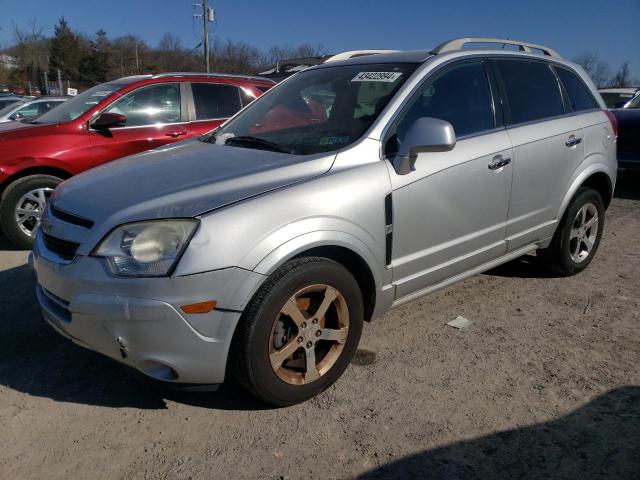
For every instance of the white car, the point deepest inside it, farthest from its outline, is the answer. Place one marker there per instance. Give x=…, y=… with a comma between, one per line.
x=617, y=97
x=29, y=108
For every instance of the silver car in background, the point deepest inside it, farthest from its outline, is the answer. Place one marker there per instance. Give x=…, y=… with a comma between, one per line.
x=26, y=108
x=352, y=187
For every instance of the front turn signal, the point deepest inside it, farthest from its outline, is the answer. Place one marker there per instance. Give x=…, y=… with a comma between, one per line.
x=202, y=307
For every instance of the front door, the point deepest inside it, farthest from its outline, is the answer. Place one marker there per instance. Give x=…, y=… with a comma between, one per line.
x=154, y=117
x=449, y=214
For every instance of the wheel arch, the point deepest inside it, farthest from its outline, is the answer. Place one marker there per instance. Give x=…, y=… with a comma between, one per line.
x=599, y=178
x=341, y=247
x=34, y=170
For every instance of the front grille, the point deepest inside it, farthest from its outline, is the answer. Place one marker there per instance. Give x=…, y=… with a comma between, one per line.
x=70, y=218
x=63, y=248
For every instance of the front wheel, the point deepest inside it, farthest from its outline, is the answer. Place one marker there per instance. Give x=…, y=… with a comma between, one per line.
x=299, y=332
x=578, y=235
x=23, y=203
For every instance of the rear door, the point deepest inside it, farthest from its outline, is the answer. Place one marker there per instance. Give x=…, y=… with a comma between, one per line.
x=155, y=116
x=548, y=147
x=212, y=104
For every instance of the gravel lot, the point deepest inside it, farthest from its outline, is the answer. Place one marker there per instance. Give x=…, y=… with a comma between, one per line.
x=544, y=384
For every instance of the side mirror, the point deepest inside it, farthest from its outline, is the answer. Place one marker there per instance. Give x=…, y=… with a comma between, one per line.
x=109, y=120
x=425, y=135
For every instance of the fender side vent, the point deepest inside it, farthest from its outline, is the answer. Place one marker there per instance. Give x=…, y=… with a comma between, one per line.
x=388, y=227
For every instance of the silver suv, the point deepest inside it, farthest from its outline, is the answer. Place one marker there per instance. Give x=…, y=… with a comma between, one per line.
x=259, y=250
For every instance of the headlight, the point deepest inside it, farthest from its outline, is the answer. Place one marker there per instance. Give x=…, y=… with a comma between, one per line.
x=146, y=249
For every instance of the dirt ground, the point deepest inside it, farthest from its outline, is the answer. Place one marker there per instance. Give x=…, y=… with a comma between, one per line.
x=544, y=384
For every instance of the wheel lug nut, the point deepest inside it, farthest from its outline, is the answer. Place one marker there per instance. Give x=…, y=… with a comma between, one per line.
x=318, y=333
x=315, y=320
x=309, y=344
x=299, y=339
x=304, y=325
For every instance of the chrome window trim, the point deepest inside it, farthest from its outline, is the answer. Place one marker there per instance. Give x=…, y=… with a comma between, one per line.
x=555, y=117
x=153, y=125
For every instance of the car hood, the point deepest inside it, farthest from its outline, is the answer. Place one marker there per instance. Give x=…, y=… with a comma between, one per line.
x=7, y=128
x=183, y=180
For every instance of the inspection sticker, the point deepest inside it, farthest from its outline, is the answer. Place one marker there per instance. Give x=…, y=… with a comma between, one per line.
x=377, y=77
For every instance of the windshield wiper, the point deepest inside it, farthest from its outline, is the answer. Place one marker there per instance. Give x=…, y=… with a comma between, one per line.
x=255, y=142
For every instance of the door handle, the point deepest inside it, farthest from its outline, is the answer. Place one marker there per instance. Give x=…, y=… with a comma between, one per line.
x=175, y=133
x=498, y=162
x=573, y=141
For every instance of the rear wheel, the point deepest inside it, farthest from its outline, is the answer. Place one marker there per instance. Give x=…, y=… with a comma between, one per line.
x=578, y=235
x=299, y=332
x=23, y=203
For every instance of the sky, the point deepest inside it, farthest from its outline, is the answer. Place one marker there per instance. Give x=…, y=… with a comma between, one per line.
x=609, y=28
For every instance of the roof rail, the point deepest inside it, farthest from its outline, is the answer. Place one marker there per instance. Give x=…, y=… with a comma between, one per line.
x=458, y=43
x=198, y=74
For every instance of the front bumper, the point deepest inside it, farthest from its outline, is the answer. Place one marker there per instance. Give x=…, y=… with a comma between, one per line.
x=138, y=321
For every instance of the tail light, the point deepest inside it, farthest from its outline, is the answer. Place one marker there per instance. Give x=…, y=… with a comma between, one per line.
x=614, y=122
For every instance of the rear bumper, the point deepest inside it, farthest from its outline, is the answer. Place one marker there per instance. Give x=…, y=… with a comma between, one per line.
x=138, y=322
x=629, y=164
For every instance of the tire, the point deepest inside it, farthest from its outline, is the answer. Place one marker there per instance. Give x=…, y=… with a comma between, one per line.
x=43, y=186
x=569, y=254
x=265, y=335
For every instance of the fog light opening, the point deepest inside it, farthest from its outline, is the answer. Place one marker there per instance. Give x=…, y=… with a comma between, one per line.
x=158, y=370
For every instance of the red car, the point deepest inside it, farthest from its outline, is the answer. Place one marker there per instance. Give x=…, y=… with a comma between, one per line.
x=107, y=122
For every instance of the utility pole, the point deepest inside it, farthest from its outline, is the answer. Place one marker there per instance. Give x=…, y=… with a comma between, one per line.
x=207, y=15
x=59, y=82
x=205, y=26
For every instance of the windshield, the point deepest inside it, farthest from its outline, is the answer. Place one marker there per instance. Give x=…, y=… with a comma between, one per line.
x=316, y=111
x=9, y=108
x=73, y=108
x=635, y=102
x=4, y=102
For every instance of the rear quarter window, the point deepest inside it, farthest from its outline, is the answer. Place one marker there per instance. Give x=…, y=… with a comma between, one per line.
x=578, y=93
x=532, y=90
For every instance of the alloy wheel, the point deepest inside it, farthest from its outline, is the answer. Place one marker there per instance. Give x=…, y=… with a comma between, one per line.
x=30, y=208
x=308, y=334
x=584, y=232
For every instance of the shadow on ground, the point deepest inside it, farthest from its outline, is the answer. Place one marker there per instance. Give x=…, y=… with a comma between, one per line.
x=598, y=441
x=628, y=185
x=35, y=360
x=527, y=266
x=6, y=245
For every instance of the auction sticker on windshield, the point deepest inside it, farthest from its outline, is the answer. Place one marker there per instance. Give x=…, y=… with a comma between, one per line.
x=376, y=77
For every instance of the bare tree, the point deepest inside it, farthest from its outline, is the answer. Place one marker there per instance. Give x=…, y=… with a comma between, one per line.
x=31, y=49
x=598, y=70
x=622, y=77
x=235, y=57
x=284, y=52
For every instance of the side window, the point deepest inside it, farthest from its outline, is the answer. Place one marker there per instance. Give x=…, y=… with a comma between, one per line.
x=215, y=100
x=578, y=93
x=532, y=90
x=158, y=103
x=44, y=107
x=461, y=96
x=27, y=111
